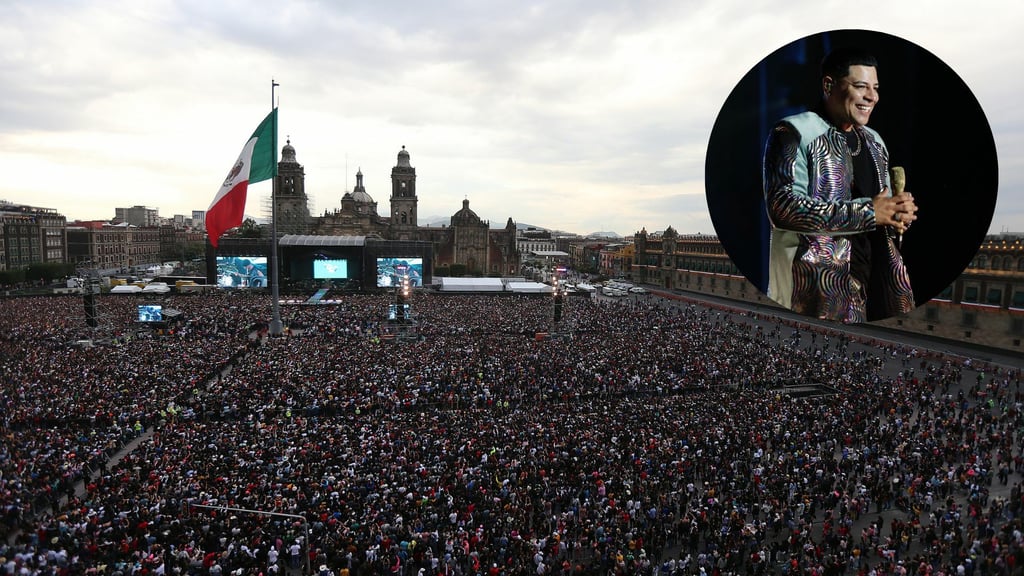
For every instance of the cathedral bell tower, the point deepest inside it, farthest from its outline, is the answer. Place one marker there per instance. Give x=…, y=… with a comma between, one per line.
x=293, y=216
x=403, y=197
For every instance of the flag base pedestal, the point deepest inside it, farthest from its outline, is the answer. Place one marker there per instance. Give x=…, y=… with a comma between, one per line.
x=275, y=328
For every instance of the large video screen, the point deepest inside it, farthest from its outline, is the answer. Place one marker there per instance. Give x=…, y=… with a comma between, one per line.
x=151, y=313
x=328, y=269
x=242, y=272
x=391, y=270
x=394, y=314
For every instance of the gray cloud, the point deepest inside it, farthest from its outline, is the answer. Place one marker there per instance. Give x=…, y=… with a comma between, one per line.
x=592, y=113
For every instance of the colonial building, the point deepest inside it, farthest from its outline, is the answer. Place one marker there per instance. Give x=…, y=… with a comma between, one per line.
x=616, y=260
x=357, y=217
x=180, y=243
x=31, y=235
x=112, y=248
x=984, y=305
x=469, y=245
x=666, y=259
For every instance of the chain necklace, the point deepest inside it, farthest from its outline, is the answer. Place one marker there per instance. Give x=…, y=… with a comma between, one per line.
x=856, y=137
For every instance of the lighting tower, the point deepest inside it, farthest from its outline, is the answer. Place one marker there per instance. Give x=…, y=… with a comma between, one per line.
x=559, y=325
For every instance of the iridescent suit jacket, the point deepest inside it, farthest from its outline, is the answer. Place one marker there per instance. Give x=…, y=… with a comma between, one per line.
x=808, y=172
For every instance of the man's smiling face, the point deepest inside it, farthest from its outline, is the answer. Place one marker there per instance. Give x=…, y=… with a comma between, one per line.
x=849, y=100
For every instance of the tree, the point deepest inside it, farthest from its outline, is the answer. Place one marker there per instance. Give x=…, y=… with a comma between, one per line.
x=48, y=271
x=250, y=229
x=12, y=277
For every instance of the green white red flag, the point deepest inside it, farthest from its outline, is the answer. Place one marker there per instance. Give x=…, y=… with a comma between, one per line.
x=256, y=163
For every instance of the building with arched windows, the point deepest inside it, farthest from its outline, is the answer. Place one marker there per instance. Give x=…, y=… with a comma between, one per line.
x=984, y=305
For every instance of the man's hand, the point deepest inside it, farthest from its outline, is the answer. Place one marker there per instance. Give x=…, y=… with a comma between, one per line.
x=896, y=211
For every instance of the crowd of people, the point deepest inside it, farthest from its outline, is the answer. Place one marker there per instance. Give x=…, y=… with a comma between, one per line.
x=662, y=437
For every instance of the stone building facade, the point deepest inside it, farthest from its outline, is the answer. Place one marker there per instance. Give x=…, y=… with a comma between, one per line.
x=984, y=305
x=112, y=247
x=468, y=244
x=31, y=235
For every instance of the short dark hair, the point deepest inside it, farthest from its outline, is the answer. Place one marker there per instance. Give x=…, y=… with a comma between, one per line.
x=837, y=63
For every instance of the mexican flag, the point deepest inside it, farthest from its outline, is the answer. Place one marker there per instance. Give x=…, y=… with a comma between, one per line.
x=256, y=163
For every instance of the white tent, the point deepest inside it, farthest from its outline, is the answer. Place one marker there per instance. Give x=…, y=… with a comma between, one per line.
x=529, y=288
x=470, y=284
x=156, y=288
x=125, y=289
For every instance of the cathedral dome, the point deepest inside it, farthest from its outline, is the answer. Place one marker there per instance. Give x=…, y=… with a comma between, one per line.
x=362, y=196
x=465, y=216
x=359, y=194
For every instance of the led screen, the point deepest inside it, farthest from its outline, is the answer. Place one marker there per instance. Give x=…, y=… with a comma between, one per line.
x=327, y=269
x=151, y=313
x=393, y=312
x=242, y=271
x=390, y=271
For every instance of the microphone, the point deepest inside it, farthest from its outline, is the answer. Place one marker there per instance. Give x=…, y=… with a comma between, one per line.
x=898, y=178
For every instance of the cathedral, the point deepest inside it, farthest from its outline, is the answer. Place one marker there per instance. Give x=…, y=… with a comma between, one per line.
x=468, y=246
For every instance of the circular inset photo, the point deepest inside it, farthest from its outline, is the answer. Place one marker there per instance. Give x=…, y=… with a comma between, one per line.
x=851, y=175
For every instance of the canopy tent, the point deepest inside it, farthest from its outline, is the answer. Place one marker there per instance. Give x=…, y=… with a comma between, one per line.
x=470, y=284
x=529, y=288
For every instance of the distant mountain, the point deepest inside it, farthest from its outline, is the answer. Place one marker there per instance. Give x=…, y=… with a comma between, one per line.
x=435, y=221
x=604, y=235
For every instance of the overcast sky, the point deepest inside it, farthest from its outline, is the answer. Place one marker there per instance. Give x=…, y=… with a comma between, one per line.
x=580, y=116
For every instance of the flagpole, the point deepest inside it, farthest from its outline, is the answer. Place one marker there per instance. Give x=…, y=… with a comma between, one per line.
x=275, y=322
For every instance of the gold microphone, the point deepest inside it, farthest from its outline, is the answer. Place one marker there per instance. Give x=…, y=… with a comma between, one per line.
x=898, y=178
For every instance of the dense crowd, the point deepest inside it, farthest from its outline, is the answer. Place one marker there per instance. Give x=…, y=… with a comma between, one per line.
x=664, y=437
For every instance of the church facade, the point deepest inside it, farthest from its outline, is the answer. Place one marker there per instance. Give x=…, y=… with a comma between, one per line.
x=467, y=246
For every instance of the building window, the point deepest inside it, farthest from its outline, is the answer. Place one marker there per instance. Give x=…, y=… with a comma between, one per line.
x=970, y=294
x=995, y=296
x=1018, y=299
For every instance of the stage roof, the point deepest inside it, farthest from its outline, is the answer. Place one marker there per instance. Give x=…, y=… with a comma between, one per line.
x=309, y=240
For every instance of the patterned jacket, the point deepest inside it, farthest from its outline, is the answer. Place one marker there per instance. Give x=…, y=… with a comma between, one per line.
x=808, y=172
